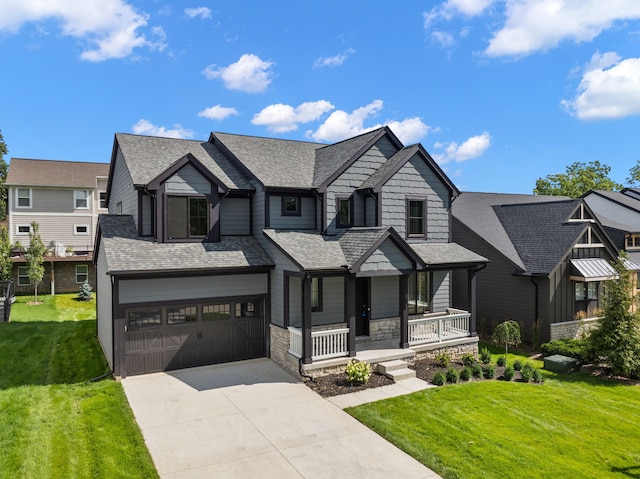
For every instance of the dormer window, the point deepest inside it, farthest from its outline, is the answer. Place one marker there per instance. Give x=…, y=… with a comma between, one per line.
x=633, y=241
x=188, y=217
x=291, y=206
x=582, y=214
x=344, y=213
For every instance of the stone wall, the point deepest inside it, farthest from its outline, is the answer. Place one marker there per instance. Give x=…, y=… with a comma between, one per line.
x=572, y=329
x=384, y=329
x=454, y=349
x=280, y=350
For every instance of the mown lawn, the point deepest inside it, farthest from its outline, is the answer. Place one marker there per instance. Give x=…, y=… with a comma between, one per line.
x=54, y=423
x=572, y=426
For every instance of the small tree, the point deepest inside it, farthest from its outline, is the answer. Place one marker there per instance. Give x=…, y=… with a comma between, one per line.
x=507, y=334
x=85, y=292
x=35, y=258
x=616, y=338
x=6, y=263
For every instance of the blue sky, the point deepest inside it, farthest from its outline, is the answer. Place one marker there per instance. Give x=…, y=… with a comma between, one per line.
x=500, y=92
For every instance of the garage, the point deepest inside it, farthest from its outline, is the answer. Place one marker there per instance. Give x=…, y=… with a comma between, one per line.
x=170, y=336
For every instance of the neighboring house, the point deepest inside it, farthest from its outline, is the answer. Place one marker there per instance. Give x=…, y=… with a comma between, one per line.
x=244, y=247
x=65, y=199
x=549, y=257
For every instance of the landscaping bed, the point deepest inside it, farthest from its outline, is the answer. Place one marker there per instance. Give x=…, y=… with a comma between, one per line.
x=336, y=384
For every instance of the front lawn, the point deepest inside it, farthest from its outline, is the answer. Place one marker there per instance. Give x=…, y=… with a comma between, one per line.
x=54, y=423
x=571, y=426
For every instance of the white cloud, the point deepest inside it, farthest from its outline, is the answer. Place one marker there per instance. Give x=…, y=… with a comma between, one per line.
x=610, y=88
x=450, y=8
x=409, y=130
x=249, y=74
x=445, y=39
x=281, y=118
x=534, y=25
x=202, y=12
x=110, y=28
x=145, y=127
x=469, y=149
x=333, y=61
x=217, y=112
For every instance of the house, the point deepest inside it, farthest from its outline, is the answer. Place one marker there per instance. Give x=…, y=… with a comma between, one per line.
x=65, y=199
x=241, y=247
x=549, y=257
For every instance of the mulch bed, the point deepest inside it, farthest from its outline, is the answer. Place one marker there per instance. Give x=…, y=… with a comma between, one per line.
x=336, y=384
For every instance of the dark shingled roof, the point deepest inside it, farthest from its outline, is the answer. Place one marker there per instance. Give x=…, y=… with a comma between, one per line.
x=310, y=250
x=355, y=242
x=127, y=253
x=439, y=254
x=69, y=174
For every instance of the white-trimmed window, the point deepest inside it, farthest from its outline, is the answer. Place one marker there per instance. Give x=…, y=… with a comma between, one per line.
x=81, y=230
x=23, y=230
x=23, y=276
x=82, y=273
x=81, y=199
x=23, y=198
x=633, y=241
x=103, y=199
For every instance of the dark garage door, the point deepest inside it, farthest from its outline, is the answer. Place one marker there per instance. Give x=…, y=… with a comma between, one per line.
x=162, y=338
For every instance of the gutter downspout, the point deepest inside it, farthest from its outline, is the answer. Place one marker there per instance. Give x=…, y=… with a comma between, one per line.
x=536, y=312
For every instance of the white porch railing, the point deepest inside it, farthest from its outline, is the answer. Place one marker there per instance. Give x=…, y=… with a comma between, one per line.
x=439, y=327
x=330, y=343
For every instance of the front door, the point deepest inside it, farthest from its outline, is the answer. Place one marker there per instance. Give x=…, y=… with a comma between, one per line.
x=363, y=306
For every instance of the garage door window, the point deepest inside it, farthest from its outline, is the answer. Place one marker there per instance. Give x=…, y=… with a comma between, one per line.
x=213, y=312
x=248, y=308
x=141, y=318
x=182, y=314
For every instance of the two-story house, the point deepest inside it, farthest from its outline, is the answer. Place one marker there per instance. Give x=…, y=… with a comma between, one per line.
x=242, y=247
x=64, y=198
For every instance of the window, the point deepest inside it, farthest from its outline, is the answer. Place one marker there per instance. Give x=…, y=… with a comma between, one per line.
x=23, y=229
x=188, y=217
x=80, y=229
x=419, y=292
x=82, y=273
x=291, y=206
x=142, y=318
x=23, y=276
x=316, y=294
x=248, y=308
x=119, y=208
x=344, y=217
x=416, y=217
x=103, y=199
x=633, y=241
x=213, y=312
x=23, y=198
x=182, y=314
x=80, y=199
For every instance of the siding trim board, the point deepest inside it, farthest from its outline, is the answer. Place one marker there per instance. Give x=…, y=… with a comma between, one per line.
x=163, y=273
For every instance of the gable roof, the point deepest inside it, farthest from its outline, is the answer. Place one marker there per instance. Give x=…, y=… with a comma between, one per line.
x=68, y=174
x=191, y=160
x=617, y=197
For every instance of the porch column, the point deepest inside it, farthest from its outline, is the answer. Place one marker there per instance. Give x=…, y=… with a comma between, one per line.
x=404, y=311
x=307, y=347
x=471, y=300
x=350, y=311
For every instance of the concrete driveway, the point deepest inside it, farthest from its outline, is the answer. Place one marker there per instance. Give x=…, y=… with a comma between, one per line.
x=252, y=419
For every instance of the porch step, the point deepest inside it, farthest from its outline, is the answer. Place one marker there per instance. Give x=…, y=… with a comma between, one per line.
x=396, y=370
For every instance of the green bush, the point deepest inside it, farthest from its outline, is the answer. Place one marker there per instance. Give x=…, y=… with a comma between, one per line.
x=443, y=360
x=527, y=372
x=517, y=365
x=537, y=376
x=489, y=371
x=485, y=356
x=509, y=373
x=501, y=361
x=438, y=379
x=452, y=376
x=465, y=373
x=468, y=359
x=476, y=371
x=85, y=292
x=358, y=372
x=574, y=348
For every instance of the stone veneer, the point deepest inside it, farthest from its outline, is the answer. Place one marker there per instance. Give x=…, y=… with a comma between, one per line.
x=384, y=329
x=572, y=329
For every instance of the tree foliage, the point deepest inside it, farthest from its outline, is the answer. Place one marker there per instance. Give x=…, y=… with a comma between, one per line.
x=6, y=263
x=634, y=175
x=35, y=258
x=577, y=180
x=3, y=177
x=507, y=334
x=616, y=338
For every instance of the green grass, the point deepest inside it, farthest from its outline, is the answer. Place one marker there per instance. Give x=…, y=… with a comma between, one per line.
x=54, y=423
x=571, y=426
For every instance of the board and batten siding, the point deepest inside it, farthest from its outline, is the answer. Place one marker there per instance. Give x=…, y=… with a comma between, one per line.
x=333, y=288
x=386, y=259
x=104, y=307
x=198, y=287
x=385, y=297
x=122, y=190
x=188, y=181
x=416, y=179
x=306, y=220
x=235, y=216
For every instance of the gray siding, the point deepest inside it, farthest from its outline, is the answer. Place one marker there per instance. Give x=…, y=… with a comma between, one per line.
x=57, y=229
x=167, y=289
x=441, y=291
x=235, y=217
x=188, y=181
x=306, y=221
x=416, y=179
x=122, y=190
x=388, y=258
x=147, y=215
x=258, y=212
x=103, y=308
x=385, y=294
x=54, y=200
x=370, y=210
x=332, y=302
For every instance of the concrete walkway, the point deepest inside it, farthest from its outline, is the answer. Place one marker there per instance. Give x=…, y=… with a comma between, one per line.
x=253, y=420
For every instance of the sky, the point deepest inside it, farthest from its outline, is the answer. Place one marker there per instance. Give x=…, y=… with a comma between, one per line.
x=499, y=92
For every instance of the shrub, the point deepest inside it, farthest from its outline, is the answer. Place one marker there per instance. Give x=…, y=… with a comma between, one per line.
x=485, y=356
x=443, y=360
x=465, y=373
x=509, y=373
x=468, y=359
x=489, y=371
x=85, y=292
x=501, y=361
x=476, y=371
x=527, y=372
x=517, y=365
x=537, y=376
x=452, y=376
x=438, y=379
x=358, y=372
x=574, y=348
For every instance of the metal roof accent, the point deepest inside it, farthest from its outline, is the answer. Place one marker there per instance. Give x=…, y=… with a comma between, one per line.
x=592, y=269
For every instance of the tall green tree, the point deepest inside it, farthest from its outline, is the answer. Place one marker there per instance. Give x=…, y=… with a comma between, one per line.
x=577, y=180
x=616, y=338
x=35, y=258
x=634, y=175
x=3, y=177
x=6, y=263
x=507, y=334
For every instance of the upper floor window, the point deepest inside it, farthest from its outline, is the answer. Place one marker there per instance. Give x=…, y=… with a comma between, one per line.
x=633, y=241
x=119, y=208
x=188, y=217
x=23, y=198
x=581, y=214
x=103, y=199
x=416, y=217
x=344, y=213
x=81, y=199
x=291, y=206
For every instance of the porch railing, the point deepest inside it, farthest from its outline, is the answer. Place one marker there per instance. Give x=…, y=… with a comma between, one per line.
x=439, y=327
x=330, y=343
